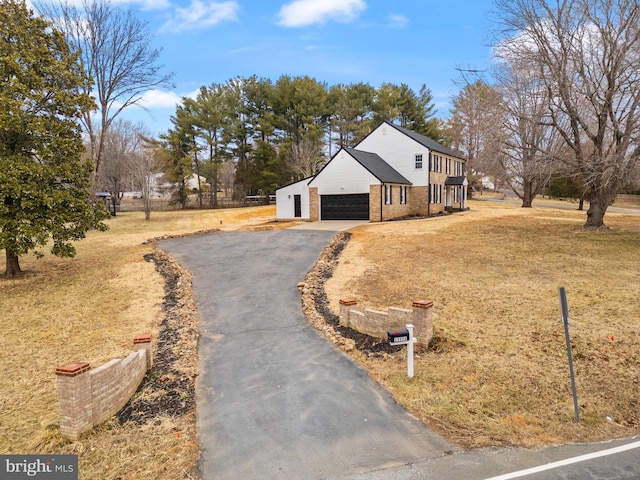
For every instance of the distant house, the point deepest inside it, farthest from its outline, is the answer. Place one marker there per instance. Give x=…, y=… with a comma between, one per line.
x=393, y=172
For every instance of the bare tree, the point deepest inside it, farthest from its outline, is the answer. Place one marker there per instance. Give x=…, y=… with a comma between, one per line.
x=149, y=159
x=530, y=146
x=306, y=157
x=475, y=128
x=121, y=148
x=116, y=53
x=587, y=55
x=227, y=176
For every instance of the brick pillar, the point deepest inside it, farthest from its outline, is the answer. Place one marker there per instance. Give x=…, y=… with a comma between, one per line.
x=314, y=207
x=143, y=342
x=346, y=304
x=74, y=399
x=423, y=321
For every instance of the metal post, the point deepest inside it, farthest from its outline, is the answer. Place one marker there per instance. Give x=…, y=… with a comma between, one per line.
x=410, y=351
x=565, y=320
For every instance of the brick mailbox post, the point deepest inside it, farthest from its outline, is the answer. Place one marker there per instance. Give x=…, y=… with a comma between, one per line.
x=377, y=324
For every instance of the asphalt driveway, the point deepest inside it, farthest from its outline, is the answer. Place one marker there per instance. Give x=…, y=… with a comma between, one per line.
x=274, y=398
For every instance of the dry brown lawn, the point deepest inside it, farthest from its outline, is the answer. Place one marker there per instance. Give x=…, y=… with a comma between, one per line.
x=88, y=309
x=498, y=371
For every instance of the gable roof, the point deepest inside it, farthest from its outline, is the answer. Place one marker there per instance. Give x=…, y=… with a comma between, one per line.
x=377, y=166
x=430, y=143
x=373, y=163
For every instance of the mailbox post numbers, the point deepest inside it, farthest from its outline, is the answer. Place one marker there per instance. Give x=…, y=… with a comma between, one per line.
x=404, y=337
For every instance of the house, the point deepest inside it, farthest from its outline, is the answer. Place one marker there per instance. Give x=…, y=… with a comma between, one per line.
x=391, y=173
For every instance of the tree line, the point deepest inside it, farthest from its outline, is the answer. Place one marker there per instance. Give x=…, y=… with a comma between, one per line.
x=259, y=134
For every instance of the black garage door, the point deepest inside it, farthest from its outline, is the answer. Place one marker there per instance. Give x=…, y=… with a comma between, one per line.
x=344, y=207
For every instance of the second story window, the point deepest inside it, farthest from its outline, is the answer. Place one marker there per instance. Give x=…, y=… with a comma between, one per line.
x=418, y=160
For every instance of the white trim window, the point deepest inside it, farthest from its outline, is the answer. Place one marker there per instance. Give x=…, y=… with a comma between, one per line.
x=403, y=195
x=447, y=166
x=438, y=165
x=435, y=193
x=388, y=194
x=418, y=161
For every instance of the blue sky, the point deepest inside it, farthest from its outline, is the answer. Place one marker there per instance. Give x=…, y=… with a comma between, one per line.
x=335, y=41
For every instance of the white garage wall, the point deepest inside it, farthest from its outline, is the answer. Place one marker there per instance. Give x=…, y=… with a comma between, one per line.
x=285, y=197
x=343, y=175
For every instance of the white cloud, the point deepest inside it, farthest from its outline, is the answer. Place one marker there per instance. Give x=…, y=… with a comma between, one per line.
x=398, y=21
x=300, y=13
x=162, y=99
x=201, y=15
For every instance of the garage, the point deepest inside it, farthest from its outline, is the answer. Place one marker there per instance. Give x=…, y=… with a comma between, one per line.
x=344, y=207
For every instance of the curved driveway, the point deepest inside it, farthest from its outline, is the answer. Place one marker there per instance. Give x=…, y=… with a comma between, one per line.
x=275, y=399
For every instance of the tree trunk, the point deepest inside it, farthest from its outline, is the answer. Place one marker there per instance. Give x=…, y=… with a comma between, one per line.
x=147, y=208
x=13, y=265
x=527, y=196
x=598, y=203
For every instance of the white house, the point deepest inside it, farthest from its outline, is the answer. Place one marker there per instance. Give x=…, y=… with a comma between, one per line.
x=391, y=173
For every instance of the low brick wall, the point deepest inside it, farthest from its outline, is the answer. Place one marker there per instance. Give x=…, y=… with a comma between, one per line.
x=377, y=324
x=88, y=397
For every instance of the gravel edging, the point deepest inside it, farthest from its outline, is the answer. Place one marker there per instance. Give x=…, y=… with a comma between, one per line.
x=316, y=307
x=169, y=387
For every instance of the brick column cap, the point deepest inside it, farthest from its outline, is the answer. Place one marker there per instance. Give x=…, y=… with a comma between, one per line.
x=422, y=304
x=142, y=338
x=348, y=301
x=73, y=369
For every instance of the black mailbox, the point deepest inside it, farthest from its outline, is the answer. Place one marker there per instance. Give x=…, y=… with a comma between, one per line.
x=398, y=337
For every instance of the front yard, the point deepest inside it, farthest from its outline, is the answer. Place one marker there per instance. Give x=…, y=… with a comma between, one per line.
x=497, y=371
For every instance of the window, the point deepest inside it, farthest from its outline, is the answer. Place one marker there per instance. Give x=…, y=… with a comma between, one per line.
x=435, y=193
x=438, y=164
x=447, y=168
x=418, y=160
x=403, y=195
x=387, y=194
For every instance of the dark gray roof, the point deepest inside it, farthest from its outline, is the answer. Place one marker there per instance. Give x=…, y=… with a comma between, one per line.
x=430, y=143
x=377, y=166
x=454, y=181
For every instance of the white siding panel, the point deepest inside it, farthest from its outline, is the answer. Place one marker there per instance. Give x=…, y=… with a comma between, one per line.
x=343, y=175
x=285, y=198
x=399, y=151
